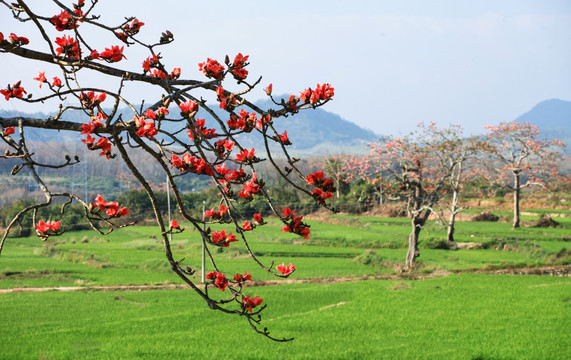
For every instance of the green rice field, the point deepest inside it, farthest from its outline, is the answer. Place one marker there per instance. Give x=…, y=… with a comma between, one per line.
x=458, y=311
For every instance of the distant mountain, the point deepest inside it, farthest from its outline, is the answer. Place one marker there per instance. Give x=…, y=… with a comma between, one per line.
x=317, y=131
x=312, y=132
x=549, y=114
x=553, y=118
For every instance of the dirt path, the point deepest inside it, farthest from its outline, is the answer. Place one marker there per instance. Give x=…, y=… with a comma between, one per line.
x=562, y=271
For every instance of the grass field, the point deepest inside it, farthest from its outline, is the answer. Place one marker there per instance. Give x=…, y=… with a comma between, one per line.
x=462, y=316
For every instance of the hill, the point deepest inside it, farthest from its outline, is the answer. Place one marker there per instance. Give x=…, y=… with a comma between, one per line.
x=312, y=132
x=553, y=118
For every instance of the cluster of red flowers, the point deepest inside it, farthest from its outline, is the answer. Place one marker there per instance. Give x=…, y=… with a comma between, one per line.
x=192, y=164
x=237, y=68
x=321, y=92
x=151, y=62
x=250, y=188
x=212, y=69
x=188, y=108
x=230, y=174
x=14, y=39
x=286, y=270
x=294, y=224
x=227, y=103
x=90, y=127
x=323, y=186
x=133, y=28
x=201, y=129
x=145, y=128
x=14, y=91
x=246, y=156
x=44, y=227
x=89, y=100
x=111, y=208
x=115, y=54
x=222, y=146
x=68, y=46
x=102, y=144
x=223, y=239
x=42, y=79
x=219, y=279
x=246, y=121
x=245, y=277
x=65, y=21
x=217, y=215
x=291, y=104
x=159, y=114
x=175, y=74
x=258, y=220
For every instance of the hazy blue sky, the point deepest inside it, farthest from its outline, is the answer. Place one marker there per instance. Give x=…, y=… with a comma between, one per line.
x=392, y=63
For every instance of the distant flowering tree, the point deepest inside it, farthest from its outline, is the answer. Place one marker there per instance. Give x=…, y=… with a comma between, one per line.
x=336, y=166
x=522, y=158
x=180, y=132
x=456, y=156
x=418, y=169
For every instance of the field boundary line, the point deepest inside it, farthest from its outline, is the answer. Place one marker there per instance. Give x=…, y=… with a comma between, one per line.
x=559, y=271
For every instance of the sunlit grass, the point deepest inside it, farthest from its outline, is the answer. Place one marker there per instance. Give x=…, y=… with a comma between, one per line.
x=456, y=317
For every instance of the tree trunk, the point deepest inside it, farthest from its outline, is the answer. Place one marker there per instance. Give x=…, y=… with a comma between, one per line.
x=452, y=220
x=413, y=251
x=516, y=190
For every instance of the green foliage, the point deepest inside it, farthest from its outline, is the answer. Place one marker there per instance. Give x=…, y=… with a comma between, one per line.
x=73, y=217
x=369, y=257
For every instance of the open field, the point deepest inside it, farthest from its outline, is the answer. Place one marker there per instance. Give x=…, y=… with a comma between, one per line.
x=342, y=246
x=463, y=316
x=468, y=316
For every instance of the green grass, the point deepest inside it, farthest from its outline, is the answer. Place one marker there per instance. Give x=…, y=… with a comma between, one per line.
x=465, y=316
x=456, y=317
x=135, y=255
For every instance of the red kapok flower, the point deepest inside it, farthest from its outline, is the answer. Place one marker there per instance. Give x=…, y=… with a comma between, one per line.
x=18, y=40
x=221, y=238
x=67, y=46
x=41, y=78
x=175, y=74
x=56, y=82
x=134, y=27
x=9, y=131
x=188, y=108
x=64, y=21
x=44, y=227
x=247, y=226
x=237, y=68
x=216, y=215
x=250, y=303
x=245, y=277
x=258, y=220
x=220, y=280
x=174, y=225
x=246, y=156
x=14, y=91
x=115, y=54
x=286, y=270
x=151, y=62
x=212, y=69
